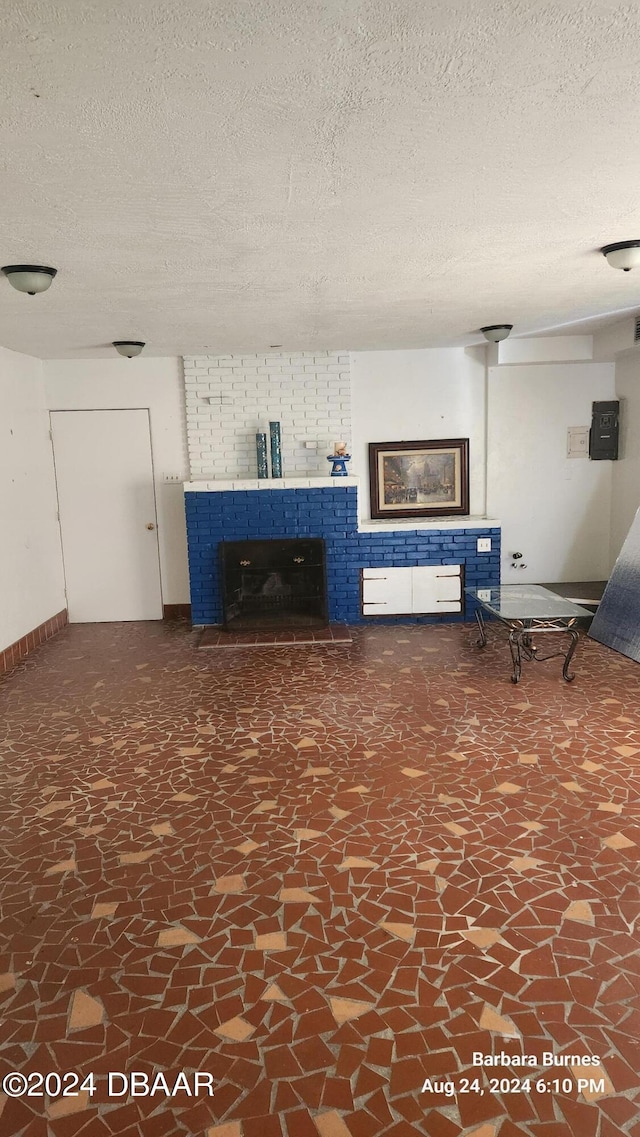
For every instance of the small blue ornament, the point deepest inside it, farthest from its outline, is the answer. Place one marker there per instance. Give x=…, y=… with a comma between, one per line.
x=339, y=468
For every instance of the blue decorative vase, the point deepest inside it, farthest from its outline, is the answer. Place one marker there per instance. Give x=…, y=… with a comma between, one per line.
x=261, y=452
x=276, y=452
x=339, y=468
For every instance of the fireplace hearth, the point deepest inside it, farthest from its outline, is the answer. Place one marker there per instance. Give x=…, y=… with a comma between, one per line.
x=275, y=584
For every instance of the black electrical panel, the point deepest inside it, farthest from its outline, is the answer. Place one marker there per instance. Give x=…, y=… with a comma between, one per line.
x=603, y=436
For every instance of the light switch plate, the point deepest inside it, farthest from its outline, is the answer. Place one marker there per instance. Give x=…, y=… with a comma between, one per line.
x=484, y=544
x=578, y=442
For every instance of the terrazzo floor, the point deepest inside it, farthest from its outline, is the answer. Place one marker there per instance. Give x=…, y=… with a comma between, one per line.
x=327, y=876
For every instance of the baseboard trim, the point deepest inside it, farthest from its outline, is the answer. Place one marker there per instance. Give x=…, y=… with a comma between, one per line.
x=176, y=612
x=17, y=651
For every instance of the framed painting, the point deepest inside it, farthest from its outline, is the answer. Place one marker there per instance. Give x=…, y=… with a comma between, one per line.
x=419, y=479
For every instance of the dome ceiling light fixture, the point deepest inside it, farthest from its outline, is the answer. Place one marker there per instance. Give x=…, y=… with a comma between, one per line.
x=496, y=332
x=29, y=278
x=622, y=254
x=129, y=348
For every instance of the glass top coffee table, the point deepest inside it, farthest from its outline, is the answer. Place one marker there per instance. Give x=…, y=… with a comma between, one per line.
x=529, y=610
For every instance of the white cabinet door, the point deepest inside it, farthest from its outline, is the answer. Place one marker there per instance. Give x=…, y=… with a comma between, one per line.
x=449, y=590
x=437, y=588
x=428, y=590
x=386, y=591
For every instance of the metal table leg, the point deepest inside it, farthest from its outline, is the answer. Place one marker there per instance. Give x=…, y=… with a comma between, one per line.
x=567, y=659
x=482, y=641
x=521, y=646
x=516, y=656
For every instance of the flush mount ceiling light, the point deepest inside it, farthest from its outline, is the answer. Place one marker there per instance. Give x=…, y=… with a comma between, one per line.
x=128, y=347
x=29, y=278
x=622, y=254
x=496, y=332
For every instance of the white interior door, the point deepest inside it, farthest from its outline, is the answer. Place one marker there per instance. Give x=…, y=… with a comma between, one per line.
x=106, y=501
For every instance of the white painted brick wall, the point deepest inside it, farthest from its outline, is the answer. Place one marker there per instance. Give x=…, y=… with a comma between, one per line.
x=307, y=392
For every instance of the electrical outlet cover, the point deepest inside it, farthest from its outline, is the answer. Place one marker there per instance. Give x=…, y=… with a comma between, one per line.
x=578, y=442
x=484, y=544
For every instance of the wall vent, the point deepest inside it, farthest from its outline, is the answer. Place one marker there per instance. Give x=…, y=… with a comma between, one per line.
x=636, y=331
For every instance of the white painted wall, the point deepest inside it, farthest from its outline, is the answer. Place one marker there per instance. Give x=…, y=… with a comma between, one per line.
x=544, y=349
x=306, y=392
x=424, y=394
x=31, y=575
x=554, y=510
x=614, y=338
x=626, y=471
x=90, y=384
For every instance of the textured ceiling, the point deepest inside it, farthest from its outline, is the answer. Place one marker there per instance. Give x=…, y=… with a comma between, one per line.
x=215, y=176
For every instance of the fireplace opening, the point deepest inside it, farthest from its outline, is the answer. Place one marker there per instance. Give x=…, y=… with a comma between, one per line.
x=274, y=584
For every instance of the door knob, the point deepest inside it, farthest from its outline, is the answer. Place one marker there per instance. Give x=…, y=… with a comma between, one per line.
x=150, y=525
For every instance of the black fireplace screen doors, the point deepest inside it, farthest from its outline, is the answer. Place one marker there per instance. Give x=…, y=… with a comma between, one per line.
x=274, y=584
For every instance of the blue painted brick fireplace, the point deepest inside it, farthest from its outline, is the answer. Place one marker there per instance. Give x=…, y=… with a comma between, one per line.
x=330, y=513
